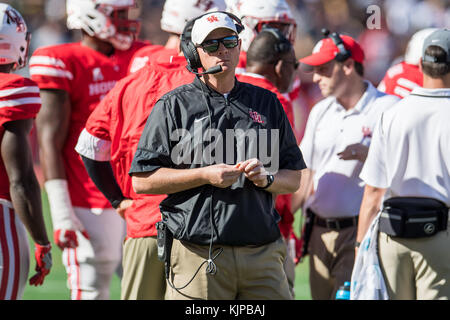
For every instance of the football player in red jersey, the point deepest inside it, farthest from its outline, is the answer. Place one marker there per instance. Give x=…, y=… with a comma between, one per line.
x=271, y=64
x=403, y=77
x=175, y=14
x=20, y=195
x=73, y=78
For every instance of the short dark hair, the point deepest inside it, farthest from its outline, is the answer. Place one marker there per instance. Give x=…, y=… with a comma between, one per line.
x=262, y=50
x=359, y=68
x=436, y=69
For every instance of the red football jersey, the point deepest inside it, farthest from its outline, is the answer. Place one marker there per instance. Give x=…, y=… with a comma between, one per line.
x=87, y=75
x=120, y=119
x=401, y=79
x=19, y=99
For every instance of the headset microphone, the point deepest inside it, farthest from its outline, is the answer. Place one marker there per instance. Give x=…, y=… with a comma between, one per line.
x=212, y=70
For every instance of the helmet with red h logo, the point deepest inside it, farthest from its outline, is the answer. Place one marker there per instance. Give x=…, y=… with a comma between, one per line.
x=255, y=14
x=104, y=19
x=14, y=37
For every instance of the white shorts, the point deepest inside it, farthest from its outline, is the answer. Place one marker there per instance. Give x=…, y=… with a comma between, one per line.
x=91, y=265
x=14, y=253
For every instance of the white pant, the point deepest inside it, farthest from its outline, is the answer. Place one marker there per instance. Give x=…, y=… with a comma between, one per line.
x=14, y=253
x=91, y=265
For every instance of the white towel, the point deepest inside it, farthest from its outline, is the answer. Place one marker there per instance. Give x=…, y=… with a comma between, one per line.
x=367, y=282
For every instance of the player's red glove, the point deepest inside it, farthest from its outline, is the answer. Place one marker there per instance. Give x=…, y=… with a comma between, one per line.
x=65, y=238
x=43, y=263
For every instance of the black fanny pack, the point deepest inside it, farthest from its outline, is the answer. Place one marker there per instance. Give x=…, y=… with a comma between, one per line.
x=413, y=217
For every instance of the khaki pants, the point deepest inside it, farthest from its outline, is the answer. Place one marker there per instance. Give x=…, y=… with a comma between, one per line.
x=251, y=273
x=332, y=256
x=416, y=268
x=143, y=274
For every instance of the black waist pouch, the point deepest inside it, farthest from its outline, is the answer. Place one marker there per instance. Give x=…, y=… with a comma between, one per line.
x=413, y=217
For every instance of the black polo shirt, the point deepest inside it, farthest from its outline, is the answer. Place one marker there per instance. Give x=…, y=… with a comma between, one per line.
x=194, y=126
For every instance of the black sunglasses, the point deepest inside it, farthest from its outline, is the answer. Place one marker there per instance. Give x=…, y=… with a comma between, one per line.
x=212, y=45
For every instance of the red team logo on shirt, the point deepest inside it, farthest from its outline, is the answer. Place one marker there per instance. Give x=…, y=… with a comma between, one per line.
x=212, y=19
x=255, y=116
x=367, y=133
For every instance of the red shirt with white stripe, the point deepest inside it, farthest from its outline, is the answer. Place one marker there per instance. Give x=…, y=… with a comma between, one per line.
x=19, y=99
x=87, y=75
x=144, y=56
x=120, y=119
x=401, y=79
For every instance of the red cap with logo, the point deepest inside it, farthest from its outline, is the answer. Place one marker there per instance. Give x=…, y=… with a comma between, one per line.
x=325, y=51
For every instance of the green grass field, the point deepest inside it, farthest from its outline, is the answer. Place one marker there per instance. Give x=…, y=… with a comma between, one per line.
x=55, y=287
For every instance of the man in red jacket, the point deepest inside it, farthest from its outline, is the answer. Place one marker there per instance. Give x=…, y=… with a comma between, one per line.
x=271, y=64
x=111, y=135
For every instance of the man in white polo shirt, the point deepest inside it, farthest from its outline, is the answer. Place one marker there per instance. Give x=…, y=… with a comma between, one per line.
x=409, y=165
x=335, y=146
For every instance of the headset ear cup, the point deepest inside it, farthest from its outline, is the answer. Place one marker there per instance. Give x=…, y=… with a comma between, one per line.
x=194, y=57
x=187, y=46
x=191, y=54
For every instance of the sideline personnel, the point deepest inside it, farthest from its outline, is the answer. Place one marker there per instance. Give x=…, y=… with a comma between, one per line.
x=335, y=146
x=218, y=215
x=271, y=64
x=408, y=164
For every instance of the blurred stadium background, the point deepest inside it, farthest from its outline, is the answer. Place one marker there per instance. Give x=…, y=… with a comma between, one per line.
x=383, y=46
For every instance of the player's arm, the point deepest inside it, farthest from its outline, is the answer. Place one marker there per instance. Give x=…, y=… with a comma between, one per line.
x=52, y=124
x=24, y=188
x=103, y=177
x=25, y=191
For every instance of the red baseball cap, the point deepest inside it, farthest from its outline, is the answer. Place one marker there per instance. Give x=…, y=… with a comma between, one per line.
x=325, y=51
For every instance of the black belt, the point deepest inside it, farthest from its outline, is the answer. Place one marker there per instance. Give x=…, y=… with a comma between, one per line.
x=335, y=224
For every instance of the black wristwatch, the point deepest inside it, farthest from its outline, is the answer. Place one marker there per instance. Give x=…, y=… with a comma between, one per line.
x=270, y=179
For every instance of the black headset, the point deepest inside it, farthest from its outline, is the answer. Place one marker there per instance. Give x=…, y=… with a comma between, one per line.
x=283, y=45
x=187, y=46
x=343, y=53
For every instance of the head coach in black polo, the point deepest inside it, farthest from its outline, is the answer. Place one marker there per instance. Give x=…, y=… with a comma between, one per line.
x=221, y=150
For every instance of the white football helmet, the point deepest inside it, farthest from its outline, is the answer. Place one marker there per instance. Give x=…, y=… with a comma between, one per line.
x=14, y=37
x=232, y=6
x=413, y=52
x=177, y=12
x=104, y=19
x=257, y=13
